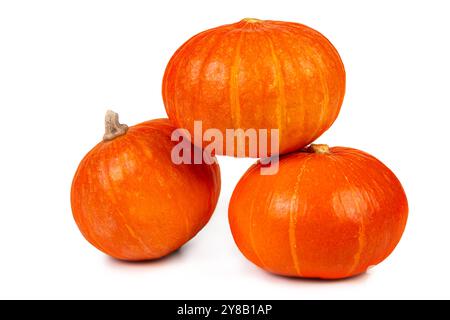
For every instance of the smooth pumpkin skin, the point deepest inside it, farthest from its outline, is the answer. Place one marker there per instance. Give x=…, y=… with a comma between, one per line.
x=257, y=74
x=324, y=216
x=131, y=202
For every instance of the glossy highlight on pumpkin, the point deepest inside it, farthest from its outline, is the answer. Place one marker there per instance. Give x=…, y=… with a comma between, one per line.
x=257, y=74
x=328, y=213
x=131, y=202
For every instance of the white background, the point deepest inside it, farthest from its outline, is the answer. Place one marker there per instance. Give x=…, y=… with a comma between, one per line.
x=63, y=63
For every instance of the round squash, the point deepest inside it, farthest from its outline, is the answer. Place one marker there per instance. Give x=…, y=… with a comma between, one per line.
x=328, y=213
x=131, y=202
x=256, y=74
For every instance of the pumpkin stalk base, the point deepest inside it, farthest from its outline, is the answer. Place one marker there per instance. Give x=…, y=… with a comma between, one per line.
x=113, y=128
x=319, y=149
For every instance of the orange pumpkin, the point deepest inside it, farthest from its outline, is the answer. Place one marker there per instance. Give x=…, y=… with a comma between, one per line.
x=256, y=74
x=327, y=213
x=131, y=202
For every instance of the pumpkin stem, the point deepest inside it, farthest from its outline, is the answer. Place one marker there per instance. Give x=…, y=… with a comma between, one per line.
x=113, y=128
x=319, y=149
x=251, y=20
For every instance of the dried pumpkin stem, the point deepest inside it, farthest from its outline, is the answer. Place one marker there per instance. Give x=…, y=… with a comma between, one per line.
x=251, y=20
x=113, y=128
x=319, y=149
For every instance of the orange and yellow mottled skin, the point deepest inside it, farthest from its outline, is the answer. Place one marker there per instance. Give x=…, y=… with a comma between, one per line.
x=321, y=216
x=131, y=202
x=257, y=74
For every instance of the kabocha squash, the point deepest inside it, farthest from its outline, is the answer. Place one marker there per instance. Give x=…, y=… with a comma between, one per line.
x=328, y=213
x=260, y=75
x=131, y=202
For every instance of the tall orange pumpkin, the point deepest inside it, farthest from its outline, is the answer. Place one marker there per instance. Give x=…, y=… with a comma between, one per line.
x=260, y=75
x=327, y=213
x=129, y=199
